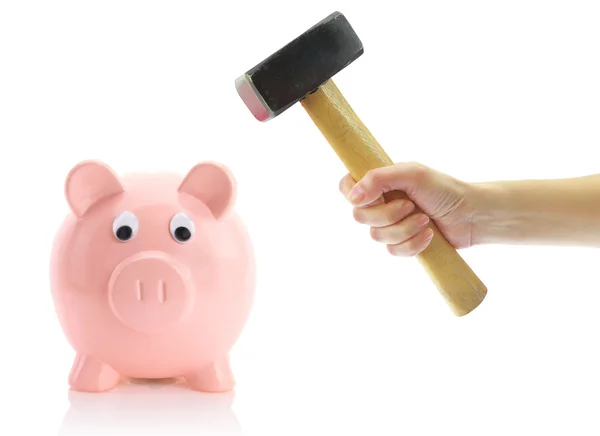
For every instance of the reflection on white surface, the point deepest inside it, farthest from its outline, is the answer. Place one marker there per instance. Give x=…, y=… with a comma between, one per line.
x=166, y=407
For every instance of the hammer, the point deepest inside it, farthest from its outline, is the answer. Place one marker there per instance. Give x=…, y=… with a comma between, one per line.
x=302, y=71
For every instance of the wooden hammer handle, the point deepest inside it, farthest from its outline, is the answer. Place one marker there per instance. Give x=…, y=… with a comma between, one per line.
x=360, y=152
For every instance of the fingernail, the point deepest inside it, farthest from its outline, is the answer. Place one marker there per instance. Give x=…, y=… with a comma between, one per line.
x=356, y=194
x=423, y=220
x=428, y=234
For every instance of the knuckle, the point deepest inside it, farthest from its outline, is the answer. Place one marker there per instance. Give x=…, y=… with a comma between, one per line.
x=376, y=176
x=345, y=184
x=396, y=250
x=369, y=178
x=368, y=174
x=406, y=249
x=358, y=215
x=376, y=234
x=413, y=247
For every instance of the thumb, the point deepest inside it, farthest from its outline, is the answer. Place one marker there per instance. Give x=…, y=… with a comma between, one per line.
x=376, y=182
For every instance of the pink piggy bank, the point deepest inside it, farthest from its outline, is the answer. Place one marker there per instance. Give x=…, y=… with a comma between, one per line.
x=152, y=276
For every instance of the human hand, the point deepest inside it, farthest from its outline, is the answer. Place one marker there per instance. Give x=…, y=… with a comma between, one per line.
x=440, y=197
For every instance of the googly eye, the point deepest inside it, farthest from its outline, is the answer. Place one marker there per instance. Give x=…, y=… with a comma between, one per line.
x=182, y=227
x=125, y=226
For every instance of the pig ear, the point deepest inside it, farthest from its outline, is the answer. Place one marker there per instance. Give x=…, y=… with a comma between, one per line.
x=213, y=184
x=88, y=183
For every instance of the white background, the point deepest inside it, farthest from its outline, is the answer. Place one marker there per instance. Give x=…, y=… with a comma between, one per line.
x=343, y=337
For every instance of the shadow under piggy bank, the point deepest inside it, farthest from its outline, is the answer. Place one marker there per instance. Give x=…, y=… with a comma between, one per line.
x=163, y=407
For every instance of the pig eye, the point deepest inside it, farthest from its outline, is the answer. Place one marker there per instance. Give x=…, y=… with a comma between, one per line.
x=182, y=227
x=125, y=226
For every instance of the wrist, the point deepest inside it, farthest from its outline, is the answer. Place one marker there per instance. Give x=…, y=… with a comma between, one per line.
x=491, y=207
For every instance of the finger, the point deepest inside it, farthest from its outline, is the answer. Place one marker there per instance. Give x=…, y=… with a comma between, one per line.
x=386, y=214
x=402, y=231
x=413, y=246
x=403, y=176
x=346, y=184
x=377, y=202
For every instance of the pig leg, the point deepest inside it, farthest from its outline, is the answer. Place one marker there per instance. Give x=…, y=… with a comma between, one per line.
x=215, y=377
x=91, y=375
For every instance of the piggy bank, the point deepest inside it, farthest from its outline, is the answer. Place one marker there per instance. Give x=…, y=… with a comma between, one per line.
x=152, y=276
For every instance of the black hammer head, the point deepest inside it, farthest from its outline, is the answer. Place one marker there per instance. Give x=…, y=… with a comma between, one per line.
x=299, y=68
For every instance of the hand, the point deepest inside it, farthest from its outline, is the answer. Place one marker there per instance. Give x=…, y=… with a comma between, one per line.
x=440, y=197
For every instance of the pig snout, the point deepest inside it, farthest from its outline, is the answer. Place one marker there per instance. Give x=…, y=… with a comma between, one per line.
x=150, y=291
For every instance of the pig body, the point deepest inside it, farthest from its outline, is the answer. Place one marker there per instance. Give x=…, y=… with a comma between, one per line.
x=152, y=276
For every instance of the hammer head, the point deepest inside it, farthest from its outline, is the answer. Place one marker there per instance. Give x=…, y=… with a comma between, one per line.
x=299, y=68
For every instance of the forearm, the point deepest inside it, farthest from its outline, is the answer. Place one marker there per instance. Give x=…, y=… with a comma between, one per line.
x=552, y=212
